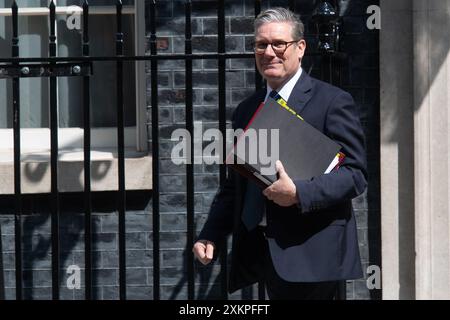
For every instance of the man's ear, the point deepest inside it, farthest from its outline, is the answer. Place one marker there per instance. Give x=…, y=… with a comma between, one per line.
x=302, y=47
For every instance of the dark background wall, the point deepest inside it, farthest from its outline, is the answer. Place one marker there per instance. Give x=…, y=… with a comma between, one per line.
x=359, y=76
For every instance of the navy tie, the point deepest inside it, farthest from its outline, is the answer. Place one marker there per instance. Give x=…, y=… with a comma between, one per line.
x=274, y=95
x=254, y=202
x=253, y=211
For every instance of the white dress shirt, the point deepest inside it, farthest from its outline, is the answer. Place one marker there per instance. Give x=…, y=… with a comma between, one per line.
x=286, y=90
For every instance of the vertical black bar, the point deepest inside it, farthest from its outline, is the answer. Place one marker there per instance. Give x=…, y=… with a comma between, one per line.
x=258, y=78
x=341, y=293
x=326, y=69
x=2, y=278
x=292, y=5
x=155, y=151
x=17, y=148
x=121, y=154
x=257, y=7
x=190, y=162
x=54, y=158
x=331, y=72
x=87, y=161
x=222, y=128
x=258, y=86
x=330, y=68
x=335, y=66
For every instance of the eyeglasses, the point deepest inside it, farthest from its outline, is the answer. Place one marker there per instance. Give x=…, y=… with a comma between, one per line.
x=279, y=47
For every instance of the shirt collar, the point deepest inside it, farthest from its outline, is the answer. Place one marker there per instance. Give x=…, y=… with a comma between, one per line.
x=286, y=90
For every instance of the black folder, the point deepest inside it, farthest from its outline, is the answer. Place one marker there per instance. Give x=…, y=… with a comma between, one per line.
x=304, y=151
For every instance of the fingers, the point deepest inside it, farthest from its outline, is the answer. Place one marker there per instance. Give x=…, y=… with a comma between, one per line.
x=283, y=192
x=268, y=193
x=209, y=250
x=280, y=168
x=204, y=251
x=199, y=250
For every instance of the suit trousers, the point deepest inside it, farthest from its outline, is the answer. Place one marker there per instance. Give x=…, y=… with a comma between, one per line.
x=279, y=289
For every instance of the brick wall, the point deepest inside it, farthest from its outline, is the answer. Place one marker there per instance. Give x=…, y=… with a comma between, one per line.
x=359, y=77
x=36, y=245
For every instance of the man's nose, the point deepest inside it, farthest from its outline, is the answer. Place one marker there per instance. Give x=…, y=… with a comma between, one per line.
x=269, y=51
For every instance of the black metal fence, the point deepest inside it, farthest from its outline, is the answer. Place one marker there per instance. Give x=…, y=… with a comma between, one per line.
x=52, y=67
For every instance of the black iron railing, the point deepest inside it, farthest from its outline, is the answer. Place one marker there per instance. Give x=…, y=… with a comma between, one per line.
x=17, y=176
x=87, y=160
x=52, y=67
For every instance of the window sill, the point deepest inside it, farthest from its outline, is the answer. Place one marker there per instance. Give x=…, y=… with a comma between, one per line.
x=36, y=172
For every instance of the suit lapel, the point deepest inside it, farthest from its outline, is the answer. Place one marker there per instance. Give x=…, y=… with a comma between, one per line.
x=301, y=93
x=252, y=106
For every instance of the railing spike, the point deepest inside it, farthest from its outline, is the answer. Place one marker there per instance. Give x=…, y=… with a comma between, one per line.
x=15, y=13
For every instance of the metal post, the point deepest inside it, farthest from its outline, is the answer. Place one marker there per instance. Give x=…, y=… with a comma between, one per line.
x=190, y=163
x=2, y=278
x=17, y=166
x=258, y=86
x=155, y=151
x=87, y=161
x=258, y=78
x=121, y=154
x=54, y=157
x=222, y=128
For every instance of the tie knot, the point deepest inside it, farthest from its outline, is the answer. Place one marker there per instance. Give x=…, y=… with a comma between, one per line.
x=274, y=94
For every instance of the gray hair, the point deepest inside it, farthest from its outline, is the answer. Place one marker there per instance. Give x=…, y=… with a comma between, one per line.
x=279, y=14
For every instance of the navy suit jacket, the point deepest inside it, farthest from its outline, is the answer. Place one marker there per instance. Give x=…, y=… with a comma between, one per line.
x=317, y=239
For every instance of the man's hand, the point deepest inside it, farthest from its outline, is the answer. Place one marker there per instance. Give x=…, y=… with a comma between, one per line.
x=204, y=251
x=283, y=191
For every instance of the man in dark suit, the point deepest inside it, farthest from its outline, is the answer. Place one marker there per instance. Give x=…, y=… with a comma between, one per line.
x=306, y=240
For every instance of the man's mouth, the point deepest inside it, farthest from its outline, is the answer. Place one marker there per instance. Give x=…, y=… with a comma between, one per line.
x=271, y=65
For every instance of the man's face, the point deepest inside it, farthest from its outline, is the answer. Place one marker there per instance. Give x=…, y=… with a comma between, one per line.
x=278, y=68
